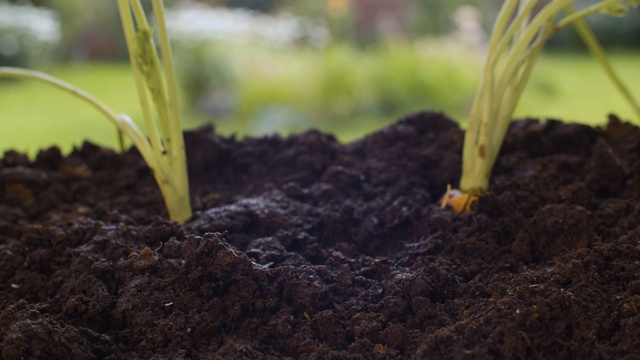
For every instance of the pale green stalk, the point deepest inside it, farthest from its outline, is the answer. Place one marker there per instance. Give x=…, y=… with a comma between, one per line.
x=171, y=83
x=130, y=38
x=495, y=100
x=158, y=83
x=175, y=139
x=149, y=66
x=515, y=44
x=164, y=150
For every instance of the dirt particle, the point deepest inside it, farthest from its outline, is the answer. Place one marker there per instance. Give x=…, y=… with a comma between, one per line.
x=144, y=259
x=381, y=350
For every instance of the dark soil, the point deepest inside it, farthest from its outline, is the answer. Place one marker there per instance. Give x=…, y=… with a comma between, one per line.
x=305, y=248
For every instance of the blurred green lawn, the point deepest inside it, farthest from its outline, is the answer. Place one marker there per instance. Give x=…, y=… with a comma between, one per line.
x=570, y=87
x=573, y=88
x=35, y=116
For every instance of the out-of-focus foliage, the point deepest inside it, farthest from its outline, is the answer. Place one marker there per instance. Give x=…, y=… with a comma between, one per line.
x=91, y=29
x=613, y=32
x=27, y=34
x=435, y=17
x=329, y=83
x=206, y=77
x=290, y=90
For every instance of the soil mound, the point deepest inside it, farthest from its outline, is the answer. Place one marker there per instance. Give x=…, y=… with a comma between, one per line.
x=305, y=248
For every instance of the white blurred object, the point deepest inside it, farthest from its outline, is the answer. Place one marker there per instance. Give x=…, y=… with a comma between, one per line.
x=27, y=33
x=197, y=23
x=467, y=20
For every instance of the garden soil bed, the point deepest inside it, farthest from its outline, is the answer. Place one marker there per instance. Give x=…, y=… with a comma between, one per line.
x=305, y=248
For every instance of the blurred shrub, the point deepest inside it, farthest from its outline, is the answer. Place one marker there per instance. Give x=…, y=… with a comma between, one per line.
x=215, y=48
x=434, y=17
x=435, y=75
x=342, y=84
x=27, y=34
x=271, y=83
x=88, y=29
x=91, y=29
x=400, y=79
x=291, y=89
x=206, y=77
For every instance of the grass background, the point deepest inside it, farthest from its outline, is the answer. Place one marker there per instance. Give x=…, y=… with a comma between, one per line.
x=35, y=116
x=347, y=92
x=572, y=87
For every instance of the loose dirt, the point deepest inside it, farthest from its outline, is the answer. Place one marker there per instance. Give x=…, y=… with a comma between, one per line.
x=305, y=248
